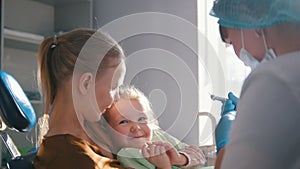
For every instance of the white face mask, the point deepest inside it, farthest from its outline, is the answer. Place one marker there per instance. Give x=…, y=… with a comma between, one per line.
x=250, y=60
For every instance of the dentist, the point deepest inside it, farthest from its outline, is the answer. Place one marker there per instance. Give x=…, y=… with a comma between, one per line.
x=265, y=35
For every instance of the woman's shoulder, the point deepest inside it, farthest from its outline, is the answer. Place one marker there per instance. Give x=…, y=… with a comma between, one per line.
x=63, y=140
x=63, y=146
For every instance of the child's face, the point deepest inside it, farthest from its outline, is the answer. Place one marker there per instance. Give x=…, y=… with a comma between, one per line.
x=130, y=124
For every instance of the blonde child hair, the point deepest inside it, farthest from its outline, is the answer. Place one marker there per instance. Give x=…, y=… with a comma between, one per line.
x=100, y=129
x=133, y=93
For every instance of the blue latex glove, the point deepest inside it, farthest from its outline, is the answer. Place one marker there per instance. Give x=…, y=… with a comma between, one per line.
x=230, y=104
x=227, y=117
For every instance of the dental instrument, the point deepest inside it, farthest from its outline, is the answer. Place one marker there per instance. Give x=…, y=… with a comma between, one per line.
x=221, y=99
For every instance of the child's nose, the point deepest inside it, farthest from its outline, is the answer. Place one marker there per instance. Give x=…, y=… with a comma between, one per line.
x=135, y=127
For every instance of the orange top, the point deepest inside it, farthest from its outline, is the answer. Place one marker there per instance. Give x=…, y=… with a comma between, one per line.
x=69, y=152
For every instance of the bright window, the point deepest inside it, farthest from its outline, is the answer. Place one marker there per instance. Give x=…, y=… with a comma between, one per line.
x=220, y=71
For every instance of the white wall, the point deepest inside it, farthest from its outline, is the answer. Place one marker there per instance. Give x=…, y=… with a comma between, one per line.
x=161, y=56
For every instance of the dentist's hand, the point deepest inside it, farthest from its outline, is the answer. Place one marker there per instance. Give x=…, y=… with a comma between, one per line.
x=230, y=104
x=227, y=117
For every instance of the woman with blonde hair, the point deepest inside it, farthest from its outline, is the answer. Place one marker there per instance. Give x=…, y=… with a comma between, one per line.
x=79, y=76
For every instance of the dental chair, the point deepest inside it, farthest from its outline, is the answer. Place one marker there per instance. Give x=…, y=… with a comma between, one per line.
x=16, y=113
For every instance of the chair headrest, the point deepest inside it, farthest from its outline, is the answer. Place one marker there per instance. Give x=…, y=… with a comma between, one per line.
x=16, y=110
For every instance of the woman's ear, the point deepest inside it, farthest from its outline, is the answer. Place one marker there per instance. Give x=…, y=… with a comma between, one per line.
x=85, y=82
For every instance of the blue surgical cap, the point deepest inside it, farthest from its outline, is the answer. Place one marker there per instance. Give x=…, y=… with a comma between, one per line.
x=255, y=14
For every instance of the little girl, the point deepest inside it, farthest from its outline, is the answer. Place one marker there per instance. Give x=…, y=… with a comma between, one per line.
x=139, y=142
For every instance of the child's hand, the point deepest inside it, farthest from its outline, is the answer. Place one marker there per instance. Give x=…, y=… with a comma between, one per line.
x=156, y=155
x=175, y=157
x=195, y=156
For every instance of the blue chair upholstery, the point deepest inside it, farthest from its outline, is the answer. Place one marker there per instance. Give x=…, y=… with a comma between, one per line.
x=17, y=113
x=16, y=110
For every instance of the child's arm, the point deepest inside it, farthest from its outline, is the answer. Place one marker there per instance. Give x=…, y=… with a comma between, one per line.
x=156, y=155
x=176, y=158
x=189, y=157
x=195, y=155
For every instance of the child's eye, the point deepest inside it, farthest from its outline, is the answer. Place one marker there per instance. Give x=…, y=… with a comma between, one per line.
x=123, y=122
x=142, y=119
